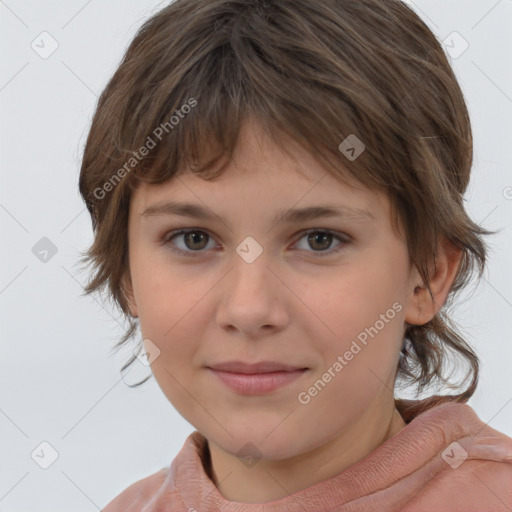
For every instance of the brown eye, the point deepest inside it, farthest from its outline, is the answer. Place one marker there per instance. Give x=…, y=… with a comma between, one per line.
x=321, y=241
x=193, y=241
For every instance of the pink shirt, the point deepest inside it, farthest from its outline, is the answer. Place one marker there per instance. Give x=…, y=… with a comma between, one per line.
x=444, y=460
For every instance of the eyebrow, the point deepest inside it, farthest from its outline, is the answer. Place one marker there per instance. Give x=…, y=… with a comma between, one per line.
x=290, y=216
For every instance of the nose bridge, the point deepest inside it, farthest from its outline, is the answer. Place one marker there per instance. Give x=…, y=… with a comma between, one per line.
x=251, y=267
x=250, y=298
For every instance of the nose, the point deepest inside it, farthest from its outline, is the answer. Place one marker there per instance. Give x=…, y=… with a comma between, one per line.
x=254, y=299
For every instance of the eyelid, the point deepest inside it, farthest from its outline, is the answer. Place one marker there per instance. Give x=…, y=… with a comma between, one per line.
x=343, y=238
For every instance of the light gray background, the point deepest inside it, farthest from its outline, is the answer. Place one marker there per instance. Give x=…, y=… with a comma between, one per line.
x=59, y=382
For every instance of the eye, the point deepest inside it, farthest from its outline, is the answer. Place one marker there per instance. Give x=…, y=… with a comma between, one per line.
x=195, y=240
x=321, y=239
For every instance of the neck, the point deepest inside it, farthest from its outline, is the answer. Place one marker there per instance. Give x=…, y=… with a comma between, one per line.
x=271, y=480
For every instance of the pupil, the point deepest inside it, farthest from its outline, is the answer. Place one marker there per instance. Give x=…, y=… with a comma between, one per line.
x=194, y=236
x=324, y=235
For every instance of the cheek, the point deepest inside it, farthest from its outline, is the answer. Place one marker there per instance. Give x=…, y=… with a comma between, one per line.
x=174, y=311
x=359, y=317
x=161, y=290
x=360, y=350
x=170, y=316
x=354, y=297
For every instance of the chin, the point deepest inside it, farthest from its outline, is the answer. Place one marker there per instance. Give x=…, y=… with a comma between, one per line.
x=260, y=442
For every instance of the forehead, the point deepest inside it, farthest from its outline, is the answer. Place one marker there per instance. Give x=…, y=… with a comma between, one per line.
x=254, y=204
x=261, y=180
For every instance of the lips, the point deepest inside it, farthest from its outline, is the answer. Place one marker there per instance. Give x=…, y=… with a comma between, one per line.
x=255, y=368
x=256, y=379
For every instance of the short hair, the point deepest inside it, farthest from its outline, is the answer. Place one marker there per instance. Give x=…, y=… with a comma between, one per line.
x=319, y=71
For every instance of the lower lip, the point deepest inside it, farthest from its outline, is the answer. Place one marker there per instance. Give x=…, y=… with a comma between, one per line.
x=257, y=383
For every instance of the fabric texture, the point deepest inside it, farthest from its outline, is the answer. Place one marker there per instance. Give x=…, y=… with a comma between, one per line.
x=444, y=460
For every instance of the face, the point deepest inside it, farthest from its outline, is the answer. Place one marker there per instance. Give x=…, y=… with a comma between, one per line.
x=327, y=295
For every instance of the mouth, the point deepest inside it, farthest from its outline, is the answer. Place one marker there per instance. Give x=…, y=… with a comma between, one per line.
x=255, y=368
x=256, y=379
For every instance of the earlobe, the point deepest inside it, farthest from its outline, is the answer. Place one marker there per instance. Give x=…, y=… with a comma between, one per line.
x=424, y=304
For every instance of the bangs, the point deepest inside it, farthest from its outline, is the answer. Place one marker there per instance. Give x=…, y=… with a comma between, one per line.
x=235, y=75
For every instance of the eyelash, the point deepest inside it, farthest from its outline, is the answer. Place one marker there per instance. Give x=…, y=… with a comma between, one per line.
x=167, y=241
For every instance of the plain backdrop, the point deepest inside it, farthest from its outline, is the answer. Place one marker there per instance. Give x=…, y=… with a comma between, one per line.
x=60, y=384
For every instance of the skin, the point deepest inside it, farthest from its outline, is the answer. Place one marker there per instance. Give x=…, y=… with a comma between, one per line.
x=292, y=304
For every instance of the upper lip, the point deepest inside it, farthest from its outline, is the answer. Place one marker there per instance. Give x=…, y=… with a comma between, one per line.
x=251, y=368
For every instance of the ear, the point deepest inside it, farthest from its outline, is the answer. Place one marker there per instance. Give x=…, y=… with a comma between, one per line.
x=422, y=307
x=127, y=289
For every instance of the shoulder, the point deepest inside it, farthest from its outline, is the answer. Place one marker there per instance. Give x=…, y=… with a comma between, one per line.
x=137, y=495
x=163, y=488
x=474, y=486
x=471, y=464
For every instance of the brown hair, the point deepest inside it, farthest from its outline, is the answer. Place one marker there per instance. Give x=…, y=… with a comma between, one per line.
x=318, y=71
